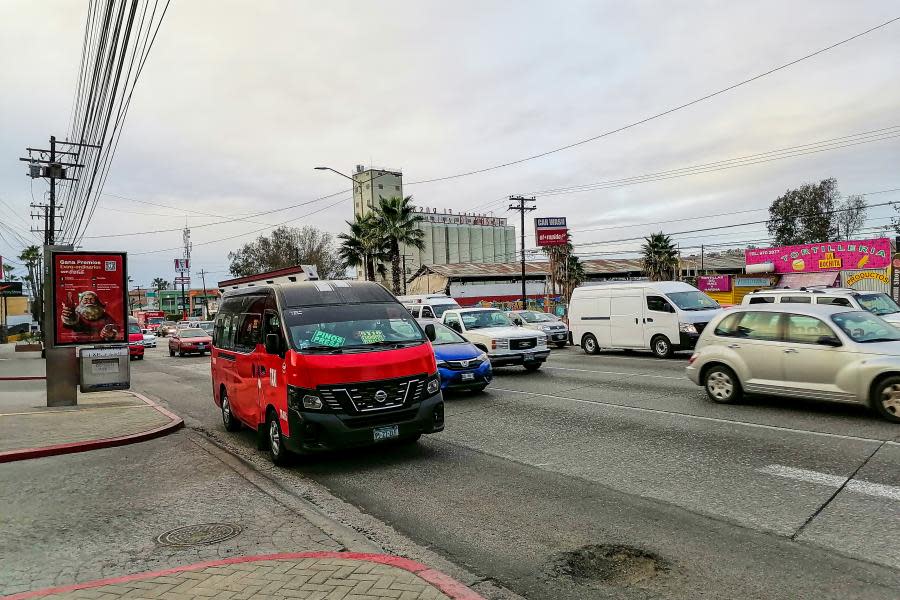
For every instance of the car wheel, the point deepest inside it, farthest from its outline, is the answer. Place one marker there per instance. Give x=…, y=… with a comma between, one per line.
x=228, y=419
x=589, y=344
x=722, y=385
x=277, y=452
x=661, y=346
x=181, y=354
x=171, y=352
x=531, y=367
x=886, y=399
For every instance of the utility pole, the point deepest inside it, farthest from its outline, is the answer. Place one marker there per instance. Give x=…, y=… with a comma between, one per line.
x=205, y=297
x=186, y=236
x=523, y=206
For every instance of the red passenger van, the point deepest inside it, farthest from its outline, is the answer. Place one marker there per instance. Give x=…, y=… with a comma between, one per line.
x=322, y=365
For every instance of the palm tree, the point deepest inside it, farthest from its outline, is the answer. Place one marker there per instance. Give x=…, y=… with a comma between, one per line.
x=571, y=274
x=556, y=256
x=160, y=284
x=363, y=247
x=660, y=257
x=31, y=256
x=398, y=225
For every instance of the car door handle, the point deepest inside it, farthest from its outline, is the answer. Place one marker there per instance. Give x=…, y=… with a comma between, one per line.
x=635, y=320
x=734, y=345
x=649, y=319
x=790, y=351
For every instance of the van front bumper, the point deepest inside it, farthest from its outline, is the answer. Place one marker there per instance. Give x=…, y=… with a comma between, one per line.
x=313, y=431
x=518, y=358
x=687, y=341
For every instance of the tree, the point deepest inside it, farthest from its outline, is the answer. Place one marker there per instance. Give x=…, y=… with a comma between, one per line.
x=850, y=216
x=660, y=257
x=363, y=248
x=397, y=225
x=32, y=258
x=286, y=247
x=8, y=273
x=571, y=275
x=805, y=215
x=556, y=256
x=159, y=284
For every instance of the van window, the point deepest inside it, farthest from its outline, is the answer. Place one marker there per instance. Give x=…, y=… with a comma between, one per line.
x=728, y=327
x=659, y=304
x=440, y=309
x=427, y=313
x=224, y=334
x=762, y=300
x=415, y=310
x=345, y=327
x=834, y=301
x=452, y=320
x=247, y=331
x=695, y=300
x=795, y=300
x=760, y=326
x=272, y=324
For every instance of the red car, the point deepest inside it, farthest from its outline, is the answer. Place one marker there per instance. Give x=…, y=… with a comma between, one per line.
x=135, y=340
x=189, y=341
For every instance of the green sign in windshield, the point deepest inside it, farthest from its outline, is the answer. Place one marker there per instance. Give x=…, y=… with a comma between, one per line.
x=323, y=338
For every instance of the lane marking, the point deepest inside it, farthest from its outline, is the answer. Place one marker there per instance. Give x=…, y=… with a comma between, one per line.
x=854, y=485
x=700, y=417
x=684, y=378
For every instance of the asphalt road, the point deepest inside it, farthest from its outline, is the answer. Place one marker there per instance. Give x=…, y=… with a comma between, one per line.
x=773, y=498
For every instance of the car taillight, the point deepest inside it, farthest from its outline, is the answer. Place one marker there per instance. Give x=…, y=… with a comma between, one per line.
x=692, y=358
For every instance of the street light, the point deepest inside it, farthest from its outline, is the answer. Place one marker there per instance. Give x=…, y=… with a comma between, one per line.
x=333, y=171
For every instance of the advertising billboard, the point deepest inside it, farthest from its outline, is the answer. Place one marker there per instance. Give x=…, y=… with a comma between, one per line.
x=830, y=256
x=182, y=265
x=10, y=289
x=714, y=283
x=551, y=231
x=90, y=293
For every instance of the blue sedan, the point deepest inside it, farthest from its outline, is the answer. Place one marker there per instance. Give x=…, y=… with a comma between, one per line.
x=462, y=366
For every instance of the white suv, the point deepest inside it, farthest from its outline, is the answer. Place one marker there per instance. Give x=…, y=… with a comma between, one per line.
x=492, y=331
x=877, y=303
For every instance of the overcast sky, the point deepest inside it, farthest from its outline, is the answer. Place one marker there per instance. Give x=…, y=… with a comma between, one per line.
x=240, y=100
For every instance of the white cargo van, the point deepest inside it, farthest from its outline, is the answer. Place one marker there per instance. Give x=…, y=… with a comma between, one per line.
x=428, y=306
x=660, y=316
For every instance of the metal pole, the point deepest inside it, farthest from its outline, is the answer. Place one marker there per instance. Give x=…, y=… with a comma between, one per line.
x=403, y=259
x=205, y=296
x=51, y=237
x=183, y=303
x=522, y=232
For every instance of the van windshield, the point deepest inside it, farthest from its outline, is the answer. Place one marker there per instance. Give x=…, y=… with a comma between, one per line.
x=692, y=301
x=357, y=327
x=440, y=309
x=878, y=304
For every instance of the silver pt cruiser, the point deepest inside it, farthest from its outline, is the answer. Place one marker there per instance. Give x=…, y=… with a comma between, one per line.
x=810, y=351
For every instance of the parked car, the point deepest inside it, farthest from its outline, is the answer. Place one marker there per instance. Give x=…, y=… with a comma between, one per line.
x=877, y=303
x=461, y=365
x=166, y=329
x=428, y=306
x=190, y=340
x=804, y=350
x=184, y=324
x=494, y=333
x=149, y=338
x=660, y=316
x=135, y=340
x=556, y=330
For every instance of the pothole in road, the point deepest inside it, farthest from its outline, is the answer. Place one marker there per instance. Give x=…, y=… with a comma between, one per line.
x=199, y=535
x=609, y=563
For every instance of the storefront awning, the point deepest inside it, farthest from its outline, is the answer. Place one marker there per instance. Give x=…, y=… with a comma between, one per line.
x=799, y=280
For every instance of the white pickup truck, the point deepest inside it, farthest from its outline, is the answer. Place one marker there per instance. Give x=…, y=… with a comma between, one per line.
x=505, y=343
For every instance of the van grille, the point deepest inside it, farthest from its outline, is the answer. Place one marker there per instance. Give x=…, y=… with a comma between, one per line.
x=370, y=396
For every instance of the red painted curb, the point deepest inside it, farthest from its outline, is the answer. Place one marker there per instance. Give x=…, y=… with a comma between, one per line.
x=72, y=447
x=24, y=378
x=446, y=584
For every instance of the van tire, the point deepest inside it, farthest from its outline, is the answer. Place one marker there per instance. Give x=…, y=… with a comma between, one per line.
x=228, y=419
x=275, y=440
x=661, y=346
x=722, y=385
x=589, y=344
x=884, y=398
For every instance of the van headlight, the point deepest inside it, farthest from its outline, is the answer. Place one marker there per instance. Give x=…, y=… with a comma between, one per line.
x=434, y=385
x=687, y=328
x=301, y=399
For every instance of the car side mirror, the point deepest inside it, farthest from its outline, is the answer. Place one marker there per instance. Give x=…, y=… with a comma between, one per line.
x=829, y=340
x=273, y=343
x=430, y=332
x=518, y=322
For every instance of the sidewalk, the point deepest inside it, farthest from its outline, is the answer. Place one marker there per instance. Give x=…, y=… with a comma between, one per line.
x=309, y=575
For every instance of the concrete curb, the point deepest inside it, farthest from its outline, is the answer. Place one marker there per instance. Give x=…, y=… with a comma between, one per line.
x=447, y=585
x=27, y=453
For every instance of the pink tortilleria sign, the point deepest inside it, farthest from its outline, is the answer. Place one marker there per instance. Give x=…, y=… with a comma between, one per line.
x=829, y=256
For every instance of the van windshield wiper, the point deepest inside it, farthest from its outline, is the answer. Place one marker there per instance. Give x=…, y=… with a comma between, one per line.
x=324, y=349
x=385, y=344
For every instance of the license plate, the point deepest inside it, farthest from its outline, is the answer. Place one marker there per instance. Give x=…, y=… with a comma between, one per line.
x=386, y=433
x=529, y=356
x=201, y=346
x=468, y=376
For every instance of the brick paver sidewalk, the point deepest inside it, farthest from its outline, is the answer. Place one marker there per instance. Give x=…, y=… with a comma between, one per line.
x=310, y=575
x=28, y=429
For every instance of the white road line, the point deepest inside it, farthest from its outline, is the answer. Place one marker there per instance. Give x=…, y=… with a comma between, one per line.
x=684, y=378
x=699, y=417
x=854, y=485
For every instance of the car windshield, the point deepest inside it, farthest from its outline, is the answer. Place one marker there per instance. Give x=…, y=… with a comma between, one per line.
x=692, y=301
x=193, y=333
x=351, y=326
x=440, y=309
x=155, y=320
x=482, y=319
x=530, y=316
x=865, y=327
x=444, y=335
x=134, y=329
x=878, y=304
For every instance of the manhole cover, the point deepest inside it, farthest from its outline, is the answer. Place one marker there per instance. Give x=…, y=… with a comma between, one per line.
x=199, y=535
x=609, y=563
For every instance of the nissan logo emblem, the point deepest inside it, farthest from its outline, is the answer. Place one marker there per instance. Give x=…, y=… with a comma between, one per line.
x=380, y=396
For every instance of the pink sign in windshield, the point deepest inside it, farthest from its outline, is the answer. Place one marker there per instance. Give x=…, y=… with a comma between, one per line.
x=830, y=256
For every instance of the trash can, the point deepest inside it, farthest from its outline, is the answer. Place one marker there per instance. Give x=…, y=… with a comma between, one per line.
x=104, y=368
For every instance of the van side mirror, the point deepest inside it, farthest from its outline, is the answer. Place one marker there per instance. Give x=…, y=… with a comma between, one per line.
x=829, y=340
x=518, y=322
x=273, y=343
x=430, y=332
x=455, y=326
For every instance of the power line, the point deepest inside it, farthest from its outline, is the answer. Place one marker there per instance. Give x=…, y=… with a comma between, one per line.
x=662, y=113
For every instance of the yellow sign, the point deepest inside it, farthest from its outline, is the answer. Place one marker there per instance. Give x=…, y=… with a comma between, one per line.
x=830, y=262
x=857, y=277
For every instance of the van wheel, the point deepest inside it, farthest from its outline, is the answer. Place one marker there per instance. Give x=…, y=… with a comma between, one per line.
x=277, y=452
x=589, y=344
x=661, y=346
x=228, y=419
x=886, y=399
x=722, y=385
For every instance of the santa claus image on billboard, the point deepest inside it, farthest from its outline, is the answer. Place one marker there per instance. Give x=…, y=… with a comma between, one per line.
x=89, y=318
